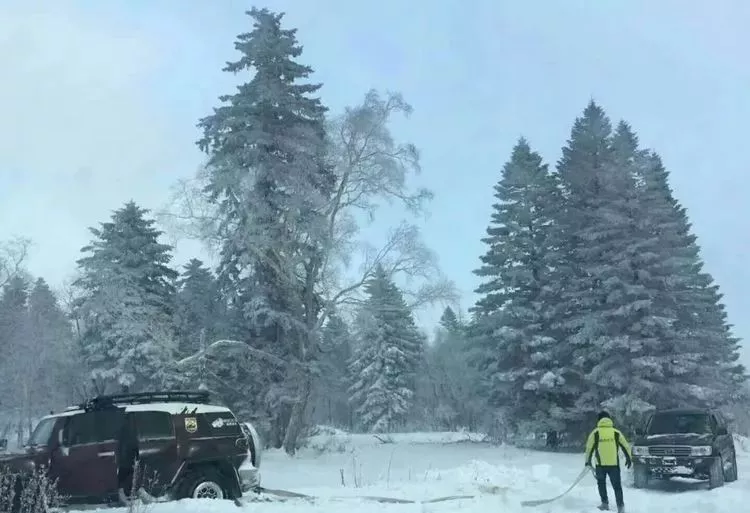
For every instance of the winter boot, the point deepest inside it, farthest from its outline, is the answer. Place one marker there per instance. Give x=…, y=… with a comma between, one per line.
x=604, y=506
x=620, y=509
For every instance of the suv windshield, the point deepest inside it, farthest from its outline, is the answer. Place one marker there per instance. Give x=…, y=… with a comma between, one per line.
x=41, y=433
x=664, y=424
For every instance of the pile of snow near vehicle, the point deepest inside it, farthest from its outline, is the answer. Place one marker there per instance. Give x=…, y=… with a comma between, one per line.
x=330, y=439
x=422, y=466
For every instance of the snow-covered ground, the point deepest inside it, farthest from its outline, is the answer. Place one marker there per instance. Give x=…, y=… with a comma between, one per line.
x=426, y=466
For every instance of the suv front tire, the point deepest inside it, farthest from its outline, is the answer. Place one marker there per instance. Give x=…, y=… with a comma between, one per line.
x=716, y=473
x=731, y=475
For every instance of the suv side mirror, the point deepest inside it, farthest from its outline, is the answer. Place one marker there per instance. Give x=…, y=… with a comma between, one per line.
x=721, y=431
x=3, y=444
x=639, y=432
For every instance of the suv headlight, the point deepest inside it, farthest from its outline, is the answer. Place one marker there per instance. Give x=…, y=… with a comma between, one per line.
x=640, y=451
x=702, y=450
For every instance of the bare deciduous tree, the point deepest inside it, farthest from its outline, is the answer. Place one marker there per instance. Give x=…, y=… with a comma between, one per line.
x=371, y=169
x=13, y=255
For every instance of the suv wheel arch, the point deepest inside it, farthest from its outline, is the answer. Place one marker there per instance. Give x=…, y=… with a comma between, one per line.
x=209, y=476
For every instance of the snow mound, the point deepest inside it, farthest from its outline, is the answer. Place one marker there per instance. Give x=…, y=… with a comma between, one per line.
x=742, y=444
x=326, y=439
x=438, y=437
x=480, y=477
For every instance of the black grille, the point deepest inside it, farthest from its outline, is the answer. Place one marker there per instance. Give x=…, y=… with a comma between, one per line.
x=669, y=450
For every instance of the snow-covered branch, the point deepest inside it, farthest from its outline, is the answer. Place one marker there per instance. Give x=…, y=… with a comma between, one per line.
x=226, y=346
x=13, y=255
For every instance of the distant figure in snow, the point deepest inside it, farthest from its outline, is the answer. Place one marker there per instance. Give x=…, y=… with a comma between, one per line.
x=605, y=442
x=552, y=440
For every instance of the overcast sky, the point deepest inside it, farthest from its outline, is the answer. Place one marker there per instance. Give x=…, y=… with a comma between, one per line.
x=99, y=101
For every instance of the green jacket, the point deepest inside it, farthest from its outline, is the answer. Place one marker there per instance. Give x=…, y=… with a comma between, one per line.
x=604, y=442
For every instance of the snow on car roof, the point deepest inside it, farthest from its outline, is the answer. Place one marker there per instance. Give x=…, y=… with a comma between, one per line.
x=171, y=408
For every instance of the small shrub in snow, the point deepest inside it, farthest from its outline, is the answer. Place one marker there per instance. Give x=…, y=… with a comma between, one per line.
x=28, y=493
x=328, y=445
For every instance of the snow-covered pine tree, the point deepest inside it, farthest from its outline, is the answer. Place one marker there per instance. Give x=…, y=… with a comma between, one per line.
x=632, y=367
x=387, y=354
x=57, y=366
x=450, y=323
x=127, y=302
x=702, y=367
x=19, y=355
x=448, y=387
x=332, y=378
x=514, y=345
x=13, y=311
x=602, y=304
x=269, y=178
x=200, y=312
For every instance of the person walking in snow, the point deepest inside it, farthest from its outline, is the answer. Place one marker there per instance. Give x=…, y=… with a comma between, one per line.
x=605, y=442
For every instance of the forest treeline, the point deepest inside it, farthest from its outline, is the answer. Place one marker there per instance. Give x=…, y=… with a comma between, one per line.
x=593, y=293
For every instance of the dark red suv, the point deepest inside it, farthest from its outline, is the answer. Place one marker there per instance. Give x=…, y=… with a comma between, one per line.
x=185, y=447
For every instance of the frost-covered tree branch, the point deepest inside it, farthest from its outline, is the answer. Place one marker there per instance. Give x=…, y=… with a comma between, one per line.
x=189, y=215
x=235, y=346
x=371, y=169
x=13, y=254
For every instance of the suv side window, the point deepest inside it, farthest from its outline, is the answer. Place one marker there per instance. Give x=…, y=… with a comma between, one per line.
x=154, y=425
x=80, y=430
x=92, y=427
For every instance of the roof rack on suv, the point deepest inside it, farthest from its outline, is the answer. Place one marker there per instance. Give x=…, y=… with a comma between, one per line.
x=110, y=401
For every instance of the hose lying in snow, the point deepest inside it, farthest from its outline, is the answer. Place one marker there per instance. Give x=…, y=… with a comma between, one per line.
x=388, y=500
x=546, y=501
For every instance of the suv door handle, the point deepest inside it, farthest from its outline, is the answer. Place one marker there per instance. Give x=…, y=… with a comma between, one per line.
x=106, y=454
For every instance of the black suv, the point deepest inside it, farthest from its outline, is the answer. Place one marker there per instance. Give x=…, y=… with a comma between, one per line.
x=186, y=447
x=684, y=442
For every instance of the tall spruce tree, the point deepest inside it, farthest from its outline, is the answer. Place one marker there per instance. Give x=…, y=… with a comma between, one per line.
x=58, y=372
x=13, y=311
x=449, y=385
x=388, y=353
x=38, y=365
x=631, y=371
x=127, y=301
x=333, y=375
x=515, y=345
x=449, y=321
x=19, y=357
x=268, y=176
x=701, y=355
x=602, y=303
x=200, y=312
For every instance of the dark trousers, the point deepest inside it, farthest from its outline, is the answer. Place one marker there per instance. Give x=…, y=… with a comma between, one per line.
x=614, y=478
x=125, y=479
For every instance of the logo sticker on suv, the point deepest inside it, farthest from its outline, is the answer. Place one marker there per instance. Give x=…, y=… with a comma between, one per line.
x=191, y=424
x=220, y=423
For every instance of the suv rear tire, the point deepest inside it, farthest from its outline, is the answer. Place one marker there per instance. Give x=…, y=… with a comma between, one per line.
x=716, y=473
x=203, y=483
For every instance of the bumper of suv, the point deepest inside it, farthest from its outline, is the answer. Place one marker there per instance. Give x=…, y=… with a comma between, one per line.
x=249, y=477
x=668, y=466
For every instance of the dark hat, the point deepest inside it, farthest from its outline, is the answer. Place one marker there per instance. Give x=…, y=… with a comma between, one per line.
x=603, y=415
